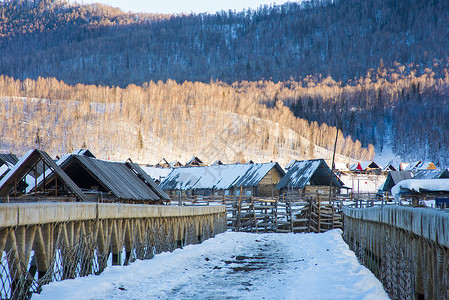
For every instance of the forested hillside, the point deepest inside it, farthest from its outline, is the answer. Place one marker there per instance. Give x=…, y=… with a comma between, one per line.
x=101, y=45
x=381, y=63
x=175, y=121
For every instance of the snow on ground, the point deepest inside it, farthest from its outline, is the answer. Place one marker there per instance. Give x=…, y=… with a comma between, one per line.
x=235, y=266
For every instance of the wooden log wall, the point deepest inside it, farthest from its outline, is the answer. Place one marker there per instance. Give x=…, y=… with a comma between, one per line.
x=406, y=248
x=43, y=242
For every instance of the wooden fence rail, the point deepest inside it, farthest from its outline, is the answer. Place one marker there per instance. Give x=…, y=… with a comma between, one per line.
x=407, y=248
x=43, y=242
x=290, y=212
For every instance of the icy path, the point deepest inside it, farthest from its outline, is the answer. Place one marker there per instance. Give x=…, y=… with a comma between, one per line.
x=235, y=266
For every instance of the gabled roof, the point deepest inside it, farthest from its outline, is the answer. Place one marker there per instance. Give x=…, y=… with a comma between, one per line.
x=314, y=172
x=125, y=181
x=431, y=174
x=8, y=158
x=369, y=165
x=175, y=164
x=147, y=179
x=426, y=166
x=412, y=165
x=194, y=161
x=356, y=167
x=26, y=164
x=220, y=177
x=394, y=177
x=163, y=163
x=85, y=152
x=290, y=163
x=389, y=167
x=217, y=163
x=157, y=173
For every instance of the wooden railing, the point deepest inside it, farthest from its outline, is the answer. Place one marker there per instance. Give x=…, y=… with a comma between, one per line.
x=290, y=212
x=44, y=242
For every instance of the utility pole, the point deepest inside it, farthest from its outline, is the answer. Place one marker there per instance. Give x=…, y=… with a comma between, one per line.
x=331, y=201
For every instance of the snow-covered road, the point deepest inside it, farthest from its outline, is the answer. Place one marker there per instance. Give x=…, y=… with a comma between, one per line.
x=235, y=266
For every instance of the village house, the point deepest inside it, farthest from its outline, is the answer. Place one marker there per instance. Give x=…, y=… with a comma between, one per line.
x=82, y=178
x=217, y=163
x=175, y=164
x=163, y=163
x=366, y=167
x=109, y=181
x=194, y=162
x=431, y=174
x=393, y=178
x=10, y=184
x=417, y=190
x=390, y=167
x=310, y=176
x=257, y=179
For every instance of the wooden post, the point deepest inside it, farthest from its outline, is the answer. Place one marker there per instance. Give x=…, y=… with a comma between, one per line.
x=239, y=210
x=309, y=214
x=254, y=214
x=333, y=211
x=291, y=214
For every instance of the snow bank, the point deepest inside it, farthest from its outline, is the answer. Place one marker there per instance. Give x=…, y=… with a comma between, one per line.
x=235, y=266
x=420, y=185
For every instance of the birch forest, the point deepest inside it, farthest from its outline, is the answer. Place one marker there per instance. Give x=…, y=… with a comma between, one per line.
x=268, y=83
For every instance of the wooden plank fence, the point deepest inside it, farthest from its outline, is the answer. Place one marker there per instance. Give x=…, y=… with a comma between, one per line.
x=289, y=212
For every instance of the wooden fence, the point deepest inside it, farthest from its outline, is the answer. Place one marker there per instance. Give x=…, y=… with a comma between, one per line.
x=407, y=248
x=290, y=212
x=44, y=242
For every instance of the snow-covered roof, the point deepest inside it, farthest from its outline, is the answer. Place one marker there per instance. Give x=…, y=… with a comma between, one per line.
x=369, y=165
x=420, y=186
x=413, y=165
x=217, y=163
x=431, y=174
x=290, y=163
x=426, y=166
x=163, y=163
x=391, y=167
x=175, y=164
x=394, y=177
x=194, y=161
x=301, y=173
x=220, y=177
x=85, y=152
x=157, y=173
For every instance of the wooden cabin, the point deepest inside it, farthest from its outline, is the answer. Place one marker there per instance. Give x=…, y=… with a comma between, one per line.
x=82, y=178
x=217, y=163
x=194, y=162
x=257, y=179
x=393, y=178
x=163, y=163
x=432, y=174
x=175, y=164
x=310, y=176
